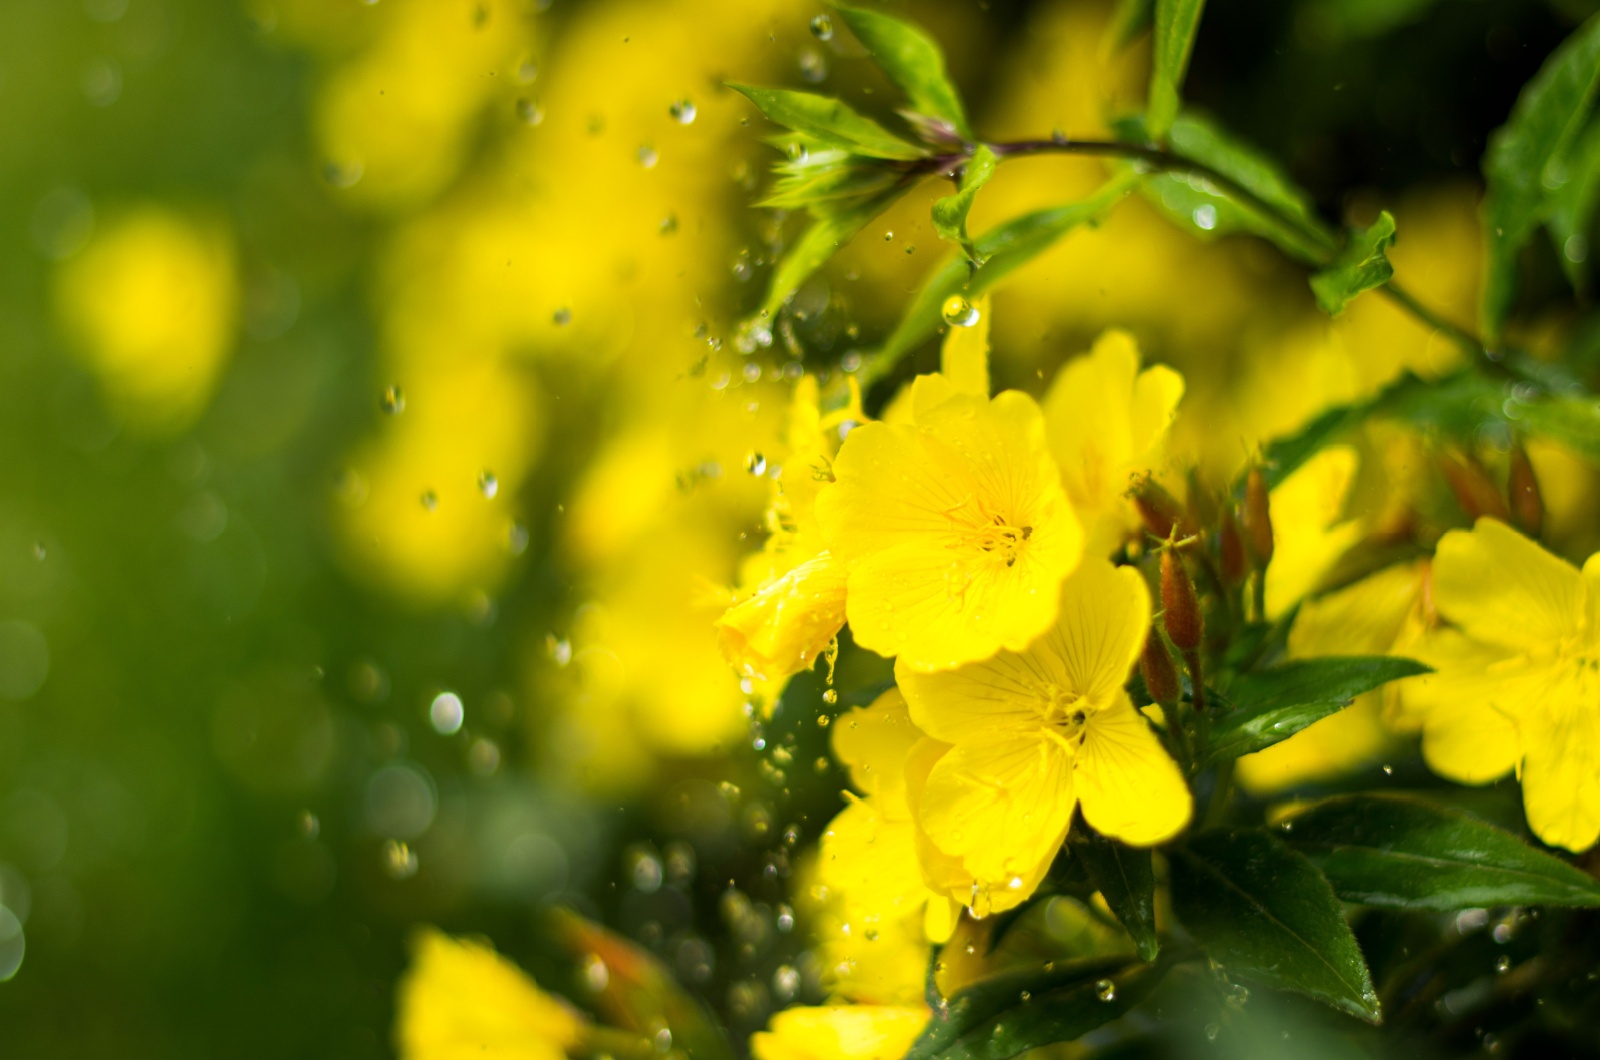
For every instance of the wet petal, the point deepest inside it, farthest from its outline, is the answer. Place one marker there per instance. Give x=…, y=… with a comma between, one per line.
x=1130, y=787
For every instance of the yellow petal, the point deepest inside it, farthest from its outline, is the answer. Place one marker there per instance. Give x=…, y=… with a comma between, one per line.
x=787, y=624
x=872, y=861
x=964, y=358
x=1561, y=774
x=1000, y=804
x=1502, y=588
x=1130, y=787
x=839, y=1032
x=1306, y=532
x=873, y=743
x=1471, y=707
x=460, y=999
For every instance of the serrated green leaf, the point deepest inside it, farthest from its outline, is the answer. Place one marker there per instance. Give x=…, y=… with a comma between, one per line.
x=819, y=243
x=1403, y=853
x=1176, y=23
x=1125, y=879
x=830, y=121
x=1272, y=705
x=1548, y=115
x=950, y=212
x=1005, y=248
x=1266, y=914
x=1361, y=266
x=1013, y=1012
x=913, y=61
x=1207, y=209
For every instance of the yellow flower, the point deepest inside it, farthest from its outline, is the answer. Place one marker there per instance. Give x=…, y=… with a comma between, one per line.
x=1039, y=731
x=460, y=999
x=151, y=305
x=1518, y=681
x=1107, y=422
x=1307, y=532
x=840, y=1032
x=953, y=527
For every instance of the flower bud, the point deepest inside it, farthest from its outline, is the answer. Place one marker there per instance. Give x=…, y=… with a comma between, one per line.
x=1161, y=513
x=1230, y=549
x=1160, y=674
x=1184, y=623
x=1474, y=491
x=1522, y=490
x=1257, y=517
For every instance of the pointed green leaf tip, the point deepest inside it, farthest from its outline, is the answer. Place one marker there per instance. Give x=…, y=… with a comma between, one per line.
x=1361, y=266
x=1403, y=853
x=829, y=120
x=950, y=212
x=1266, y=914
x=913, y=61
x=1177, y=22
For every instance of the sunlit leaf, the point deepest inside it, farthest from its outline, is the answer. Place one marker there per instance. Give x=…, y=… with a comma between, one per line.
x=829, y=120
x=1176, y=23
x=1547, y=117
x=913, y=61
x=1273, y=705
x=1266, y=914
x=1404, y=853
x=1125, y=879
x=1361, y=266
x=950, y=212
x=819, y=243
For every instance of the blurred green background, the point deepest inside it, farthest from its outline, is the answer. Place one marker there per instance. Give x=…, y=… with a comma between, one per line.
x=230, y=776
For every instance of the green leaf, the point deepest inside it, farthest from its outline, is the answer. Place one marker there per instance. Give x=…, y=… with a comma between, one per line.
x=1004, y=248
x=1124, y=878
x=1129, y=19
x=1015, y=1011
x=813, y=249
x=1361, y=266
x=1177, y=22
x=1575, y=203
x=913, y=61
x=1517, y=166
x=828, y=181
x=1263, y=201
x=1266, y=914
x=1567, y=418
x=950, y=212
x=1403, y=853
x=1351, y=19
x=1273, y=705
x=829, y=120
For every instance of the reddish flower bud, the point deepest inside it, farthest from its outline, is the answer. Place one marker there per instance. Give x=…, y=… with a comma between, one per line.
x=1182, y=607
x=1160, y=511
x=1474, y=490
x=1522, y=490
x=1230, y=551
x=1257, y=517
x=1160, y=674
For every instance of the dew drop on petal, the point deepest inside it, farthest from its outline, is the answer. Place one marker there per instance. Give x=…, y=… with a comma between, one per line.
x=822, y=27
x=683, y=111
x=959, y=312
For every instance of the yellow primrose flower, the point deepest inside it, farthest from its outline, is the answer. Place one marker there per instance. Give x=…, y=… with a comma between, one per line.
x=460, y=999
x=1039, y=731
x=1518, y=678
x=1107, y=422
x=840, y=1032
x=954, y=529
x=1308, y=534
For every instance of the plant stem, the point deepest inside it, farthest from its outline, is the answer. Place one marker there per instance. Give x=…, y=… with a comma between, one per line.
x=1217, y=808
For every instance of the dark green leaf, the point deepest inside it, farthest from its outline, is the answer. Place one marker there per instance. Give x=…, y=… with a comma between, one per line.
x=1273, y=705
x=1575, y=203
x=1177, y=21
x=913, y=61
x=1016, y=1011
x=1361, y=266
x=950, y=212
x=1270, y=205
x=1403, y=853
x=1004, y=249
x=1517, y=166
x=830, y=121
x=1124, y=878
x=813, y=249
x=1567, y=418
x=1367, y=18
x=1265, y=913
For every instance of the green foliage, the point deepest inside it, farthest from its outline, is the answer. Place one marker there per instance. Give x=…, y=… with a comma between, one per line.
x=1016, y=1011
x=1575, y=204
x=1362, y=265
x=1131, y=18
x=819, y=243
x=1125, y=879
x=1176, y=23
x=914, y=62
x=1272, y=705
x=950, y=212
x=1404, y=853
x=1527, y=159
x=1266, y=914
x=829, y=121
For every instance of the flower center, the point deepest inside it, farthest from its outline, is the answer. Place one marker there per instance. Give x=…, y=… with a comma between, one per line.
x=1064, y=713
x=1000, y=538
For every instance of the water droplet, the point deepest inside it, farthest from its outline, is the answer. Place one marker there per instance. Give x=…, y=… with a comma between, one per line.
x=889, y=235
x=648, y=156
x=1212, y=1030
x=40, y=551
x=824, y=720
x=822, y=27
x=392, y=400
x=1388, y=770
x=430, y=500
x=960, y=312
x=1502, y=964
x=528, y=72
x=530, y=111
x=446, y=713
x=663, y=1040
x=683, y=111
x=561, y=317
x=813, y=65
x=1105, y=990
x=785, y=919
x=668, y=225
x=558, y=648
x=1205, y=217
x=830, y=697
x=756, y=464
x=596, y=976
x=488, y=483
x=399, y=860
x=517, y=539
x=310, y=825
x=1026, y=996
